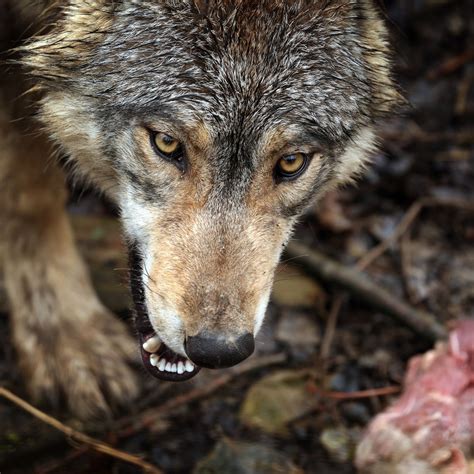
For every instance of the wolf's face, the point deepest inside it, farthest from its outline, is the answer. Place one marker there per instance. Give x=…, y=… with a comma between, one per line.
x=213, y=125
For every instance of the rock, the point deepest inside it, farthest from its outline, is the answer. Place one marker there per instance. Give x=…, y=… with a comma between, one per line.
x=276, y=400
x=339, y=443
x=294, y=288
x=297, y=329
x=235, y=457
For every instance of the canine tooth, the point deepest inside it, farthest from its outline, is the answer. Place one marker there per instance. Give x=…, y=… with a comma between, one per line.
x=161, y=365
x=189, y=366
x=154, y=360
x=180, y=367
x=174, y=368
x=168, y=367
x=152, y=345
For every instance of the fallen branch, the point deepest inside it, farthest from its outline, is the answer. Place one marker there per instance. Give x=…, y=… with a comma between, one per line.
x=152, y=415
x=407, y=220
x=371, y=392
x=77, y=436
x=331, y=324
x=358, y=284
x=401, y=228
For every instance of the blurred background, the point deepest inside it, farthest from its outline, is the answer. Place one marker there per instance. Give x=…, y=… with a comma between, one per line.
x=329, y=358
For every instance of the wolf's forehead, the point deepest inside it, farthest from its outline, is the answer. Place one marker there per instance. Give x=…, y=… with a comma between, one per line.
x=254, y=70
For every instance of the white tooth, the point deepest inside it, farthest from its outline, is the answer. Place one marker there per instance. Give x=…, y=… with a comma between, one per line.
x=154, y=360
x=168, y=367
x=152, y=345
x=174, y=368
x=189, y=366
x=162, y=364
x=180, y=367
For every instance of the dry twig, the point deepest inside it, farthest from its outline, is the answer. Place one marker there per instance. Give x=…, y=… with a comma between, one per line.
x=406, y=222
x=322, y=267
x=372, y=392
x=401, y=228
x=150, y=416
x=77, y=436
x=331, y=326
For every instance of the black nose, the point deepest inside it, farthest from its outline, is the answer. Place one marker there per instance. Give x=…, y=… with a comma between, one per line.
x=216, y=352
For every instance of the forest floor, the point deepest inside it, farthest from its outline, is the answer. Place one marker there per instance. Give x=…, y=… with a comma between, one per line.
x=327, y=360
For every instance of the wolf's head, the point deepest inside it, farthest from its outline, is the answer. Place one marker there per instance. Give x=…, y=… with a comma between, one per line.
x=213, y=125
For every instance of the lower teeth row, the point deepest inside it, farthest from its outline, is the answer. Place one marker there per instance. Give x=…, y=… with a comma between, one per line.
x=164, y=366
x=152, y=345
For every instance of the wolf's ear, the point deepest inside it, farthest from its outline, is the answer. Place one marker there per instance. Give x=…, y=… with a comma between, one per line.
x=378, y=56
x=364, y=19
x=77, y=27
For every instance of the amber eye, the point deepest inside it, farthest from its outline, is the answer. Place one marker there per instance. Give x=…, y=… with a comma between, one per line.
x=291, y=166
x=166, y=145
x=168, y=148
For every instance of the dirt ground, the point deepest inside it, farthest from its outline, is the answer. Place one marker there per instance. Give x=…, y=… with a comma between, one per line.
x=327, y=360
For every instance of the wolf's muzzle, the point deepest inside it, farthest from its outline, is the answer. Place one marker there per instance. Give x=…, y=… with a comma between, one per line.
x=216, y=352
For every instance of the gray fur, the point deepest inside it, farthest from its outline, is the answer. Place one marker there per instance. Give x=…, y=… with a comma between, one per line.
x=243, y=68
x=240, y=84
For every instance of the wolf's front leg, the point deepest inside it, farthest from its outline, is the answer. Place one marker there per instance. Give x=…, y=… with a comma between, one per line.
x=69, y=346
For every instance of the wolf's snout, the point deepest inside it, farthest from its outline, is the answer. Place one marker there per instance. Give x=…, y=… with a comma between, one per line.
x=216, y=352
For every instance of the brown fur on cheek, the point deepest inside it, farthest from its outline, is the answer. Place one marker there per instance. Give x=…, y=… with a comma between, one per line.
x=69, y=123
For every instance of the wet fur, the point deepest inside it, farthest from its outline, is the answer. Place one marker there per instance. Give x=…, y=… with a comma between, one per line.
x=241, y=84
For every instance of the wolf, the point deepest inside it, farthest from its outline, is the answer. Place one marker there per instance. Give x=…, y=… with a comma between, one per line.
x=212, y=125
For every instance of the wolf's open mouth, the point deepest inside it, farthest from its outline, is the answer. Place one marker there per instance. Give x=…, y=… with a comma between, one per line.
x=163, y=363
x=158, y=358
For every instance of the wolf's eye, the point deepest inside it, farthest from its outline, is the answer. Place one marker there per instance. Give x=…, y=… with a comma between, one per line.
x=291, y=166
x=168, y=148
x=166, y=145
